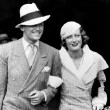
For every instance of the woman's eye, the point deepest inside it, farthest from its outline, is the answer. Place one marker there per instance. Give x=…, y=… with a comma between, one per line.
x=69, y=37
x=77, y=35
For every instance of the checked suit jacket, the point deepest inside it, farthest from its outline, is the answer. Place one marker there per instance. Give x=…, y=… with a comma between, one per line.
x=17, y=80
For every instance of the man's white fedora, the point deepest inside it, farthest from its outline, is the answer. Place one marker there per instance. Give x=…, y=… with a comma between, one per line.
x=31, y=15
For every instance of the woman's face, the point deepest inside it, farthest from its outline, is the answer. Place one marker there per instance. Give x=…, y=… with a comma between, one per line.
x=74, y=41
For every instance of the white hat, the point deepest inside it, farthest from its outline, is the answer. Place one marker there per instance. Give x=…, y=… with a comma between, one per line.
x=68, y=29
x=31, y=15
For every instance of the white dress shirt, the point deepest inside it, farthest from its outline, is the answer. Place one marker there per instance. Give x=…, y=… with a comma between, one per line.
x=26, y=44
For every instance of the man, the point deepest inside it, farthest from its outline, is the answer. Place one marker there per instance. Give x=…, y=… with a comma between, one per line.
x=29, y=68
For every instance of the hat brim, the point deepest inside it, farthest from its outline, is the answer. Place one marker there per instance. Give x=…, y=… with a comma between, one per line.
x=34, y=21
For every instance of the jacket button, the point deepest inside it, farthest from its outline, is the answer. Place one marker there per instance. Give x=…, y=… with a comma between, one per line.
x=13, y=79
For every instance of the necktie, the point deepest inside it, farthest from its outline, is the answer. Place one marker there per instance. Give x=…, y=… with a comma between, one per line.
x=32, y=53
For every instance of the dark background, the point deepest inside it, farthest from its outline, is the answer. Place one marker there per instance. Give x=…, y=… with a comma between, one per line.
x=93, y=15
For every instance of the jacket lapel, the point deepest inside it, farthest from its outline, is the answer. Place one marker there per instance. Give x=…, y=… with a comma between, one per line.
x=88, y=61
x=38, y=65
x=87, y=64
x=19, y=58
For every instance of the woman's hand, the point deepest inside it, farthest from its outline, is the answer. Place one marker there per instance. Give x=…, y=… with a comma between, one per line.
x=98, y=106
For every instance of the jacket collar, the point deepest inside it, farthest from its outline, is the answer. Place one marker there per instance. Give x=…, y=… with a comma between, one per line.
x=87, y=62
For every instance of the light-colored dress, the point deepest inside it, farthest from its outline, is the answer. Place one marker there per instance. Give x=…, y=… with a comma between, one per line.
x=77, y=83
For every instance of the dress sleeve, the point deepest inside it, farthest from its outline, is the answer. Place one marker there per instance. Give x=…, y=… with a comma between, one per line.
x=101, y=76
x=102, y=64
x=101, y=90
x=102, y=79
x=102, y=96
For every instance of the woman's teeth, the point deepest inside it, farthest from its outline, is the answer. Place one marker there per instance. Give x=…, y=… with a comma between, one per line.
x=74, y=44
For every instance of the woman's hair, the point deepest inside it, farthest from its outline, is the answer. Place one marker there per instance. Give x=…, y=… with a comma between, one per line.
x=85, y=39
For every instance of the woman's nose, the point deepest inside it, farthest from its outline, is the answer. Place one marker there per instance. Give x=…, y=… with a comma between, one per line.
x=73, y=38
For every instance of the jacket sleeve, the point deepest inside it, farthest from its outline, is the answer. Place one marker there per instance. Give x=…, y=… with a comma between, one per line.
x=56, y=72
x=3, y=76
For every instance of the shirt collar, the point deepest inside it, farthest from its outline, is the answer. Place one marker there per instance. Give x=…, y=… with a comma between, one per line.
x=25, y=43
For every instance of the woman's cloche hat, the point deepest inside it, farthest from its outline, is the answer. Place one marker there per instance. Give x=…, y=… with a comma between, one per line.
x=69, y=28
x=31, y=15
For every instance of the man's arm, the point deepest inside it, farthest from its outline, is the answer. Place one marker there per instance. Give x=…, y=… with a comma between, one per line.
x=55, y=73
x=3, y=76
x=53, y=83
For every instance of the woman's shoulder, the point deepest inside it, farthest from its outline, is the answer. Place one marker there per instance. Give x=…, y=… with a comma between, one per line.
x=99, y=58
x=96, y=54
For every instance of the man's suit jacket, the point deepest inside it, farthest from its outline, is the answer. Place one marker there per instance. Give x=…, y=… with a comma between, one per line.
x=17, y=80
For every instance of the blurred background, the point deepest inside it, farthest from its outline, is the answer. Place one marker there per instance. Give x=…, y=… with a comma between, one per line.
x=93, y=15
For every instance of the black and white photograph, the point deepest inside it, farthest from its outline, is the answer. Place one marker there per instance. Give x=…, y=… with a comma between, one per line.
x=54, y=55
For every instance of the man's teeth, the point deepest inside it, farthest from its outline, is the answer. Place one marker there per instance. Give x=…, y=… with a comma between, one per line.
x=35, y=31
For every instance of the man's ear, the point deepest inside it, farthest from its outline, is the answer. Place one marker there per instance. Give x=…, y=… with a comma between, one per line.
x=22, y=28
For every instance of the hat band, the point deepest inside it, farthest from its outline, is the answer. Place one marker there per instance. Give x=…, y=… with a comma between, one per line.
x=30, y=16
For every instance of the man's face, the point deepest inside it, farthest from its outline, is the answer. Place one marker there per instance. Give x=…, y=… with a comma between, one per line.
x=33, y=33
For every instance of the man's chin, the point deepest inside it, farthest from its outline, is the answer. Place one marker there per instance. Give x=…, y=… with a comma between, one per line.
x=36, y=39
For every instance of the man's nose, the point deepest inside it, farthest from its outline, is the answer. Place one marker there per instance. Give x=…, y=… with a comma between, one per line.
x=36, y=27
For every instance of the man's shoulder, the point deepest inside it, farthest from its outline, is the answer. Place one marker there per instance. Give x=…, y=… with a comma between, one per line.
x=8, y=46
x=49, y=47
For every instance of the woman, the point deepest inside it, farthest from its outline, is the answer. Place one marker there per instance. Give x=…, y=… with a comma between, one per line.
x=80, y=67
